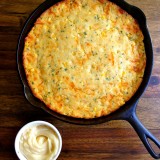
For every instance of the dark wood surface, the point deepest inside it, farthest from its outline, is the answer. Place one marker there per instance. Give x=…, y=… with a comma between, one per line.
x=112, y=140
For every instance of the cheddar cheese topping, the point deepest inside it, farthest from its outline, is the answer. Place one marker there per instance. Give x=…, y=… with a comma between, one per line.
x=84, y=58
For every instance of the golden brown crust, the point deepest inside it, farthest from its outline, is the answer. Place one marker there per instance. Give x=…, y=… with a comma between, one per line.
x=84, y=59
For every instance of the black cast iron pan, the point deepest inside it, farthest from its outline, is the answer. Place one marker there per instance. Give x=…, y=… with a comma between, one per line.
x=126, y=112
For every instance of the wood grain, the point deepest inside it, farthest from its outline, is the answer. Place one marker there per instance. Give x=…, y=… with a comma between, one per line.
x=113, y=140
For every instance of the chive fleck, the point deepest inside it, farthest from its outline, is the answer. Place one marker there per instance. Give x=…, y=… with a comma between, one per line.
x=96, y=17
x=84, y=33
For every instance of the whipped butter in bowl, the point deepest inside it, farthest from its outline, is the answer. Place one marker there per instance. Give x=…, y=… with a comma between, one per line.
x=38, y=140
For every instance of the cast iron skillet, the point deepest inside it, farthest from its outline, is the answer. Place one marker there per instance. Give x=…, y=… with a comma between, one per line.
x=126, y=112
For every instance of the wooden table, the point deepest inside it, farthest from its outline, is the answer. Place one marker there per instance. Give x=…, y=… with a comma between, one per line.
x=112, y=140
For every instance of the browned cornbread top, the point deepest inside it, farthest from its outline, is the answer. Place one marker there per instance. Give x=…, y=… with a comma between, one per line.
x=83, y=58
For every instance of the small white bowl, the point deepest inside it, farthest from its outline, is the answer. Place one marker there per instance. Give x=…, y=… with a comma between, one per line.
x=30, y=125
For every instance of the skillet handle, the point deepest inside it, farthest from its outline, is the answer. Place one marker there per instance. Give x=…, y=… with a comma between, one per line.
x=144, y=135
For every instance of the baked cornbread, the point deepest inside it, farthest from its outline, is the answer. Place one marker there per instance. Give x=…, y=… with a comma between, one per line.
x=84, y=58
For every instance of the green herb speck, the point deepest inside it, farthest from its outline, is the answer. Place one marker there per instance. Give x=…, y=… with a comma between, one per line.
x=84, y=33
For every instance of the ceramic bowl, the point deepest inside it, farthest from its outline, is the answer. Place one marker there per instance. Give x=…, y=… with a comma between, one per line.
x=30, y=125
